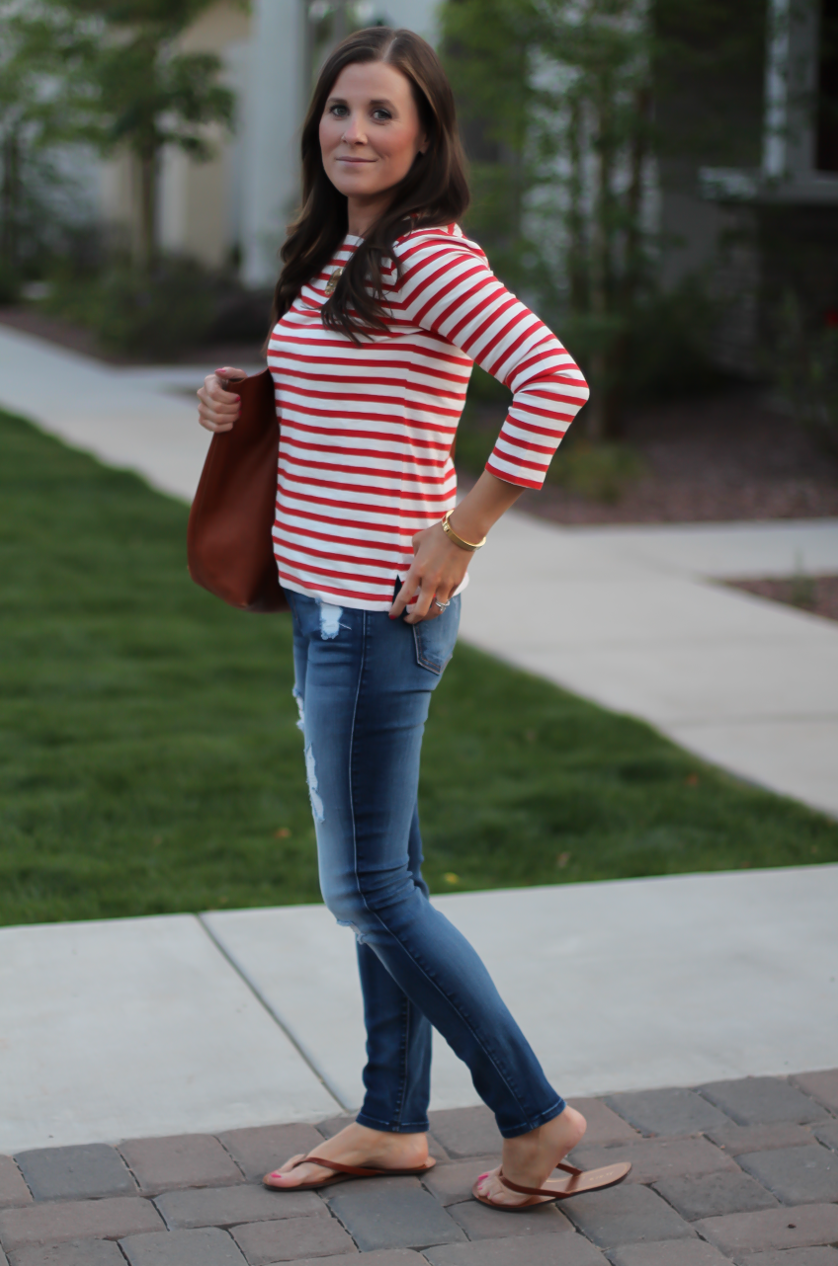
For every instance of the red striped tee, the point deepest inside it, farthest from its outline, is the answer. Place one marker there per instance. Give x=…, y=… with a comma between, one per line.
x=366, y=431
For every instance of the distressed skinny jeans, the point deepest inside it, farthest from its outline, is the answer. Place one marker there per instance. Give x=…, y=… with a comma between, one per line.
x=363, y=685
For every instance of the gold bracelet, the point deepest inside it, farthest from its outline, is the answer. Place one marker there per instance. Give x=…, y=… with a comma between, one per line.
x=458, y=540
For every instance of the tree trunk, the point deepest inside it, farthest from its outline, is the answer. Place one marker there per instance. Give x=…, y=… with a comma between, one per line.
x=634, y=198
x=597, y=410
x=11, y=200
x=148, y=209
x=575, y=221
x=632, y=263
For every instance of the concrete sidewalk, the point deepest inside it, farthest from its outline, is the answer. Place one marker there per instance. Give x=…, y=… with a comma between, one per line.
x=629, y=617
x=176, y=1024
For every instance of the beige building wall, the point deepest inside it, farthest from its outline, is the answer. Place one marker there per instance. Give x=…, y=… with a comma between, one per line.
x=119, y=199
x=197, y=201
x=244, y=196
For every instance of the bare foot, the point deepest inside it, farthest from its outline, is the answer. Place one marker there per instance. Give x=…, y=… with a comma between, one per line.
x=356, y=1145
x=530, y=1159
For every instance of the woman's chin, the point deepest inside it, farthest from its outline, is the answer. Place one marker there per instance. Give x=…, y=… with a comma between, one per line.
x=357, y=186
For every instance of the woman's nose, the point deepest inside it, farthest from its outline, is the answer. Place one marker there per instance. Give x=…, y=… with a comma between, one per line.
x=353, y=132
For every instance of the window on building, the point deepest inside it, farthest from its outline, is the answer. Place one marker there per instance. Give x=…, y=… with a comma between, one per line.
x=827, y=111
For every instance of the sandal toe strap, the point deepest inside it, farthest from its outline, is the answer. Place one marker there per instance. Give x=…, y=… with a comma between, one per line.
x=536, y=1191
x=337, y=1166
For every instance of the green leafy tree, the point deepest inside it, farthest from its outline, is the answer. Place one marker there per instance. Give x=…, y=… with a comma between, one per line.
x=126, y=85
x=31, y=118
x=565, y=103
x=560, y=91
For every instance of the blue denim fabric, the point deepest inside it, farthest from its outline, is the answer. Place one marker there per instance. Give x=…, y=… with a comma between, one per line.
x=363, y=685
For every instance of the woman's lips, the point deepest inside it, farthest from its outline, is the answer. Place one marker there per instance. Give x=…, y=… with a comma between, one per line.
x=356, y=160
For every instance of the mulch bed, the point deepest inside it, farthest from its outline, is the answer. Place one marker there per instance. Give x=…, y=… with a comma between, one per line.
x=78, y=339
x=713, y=459
x=818, y=594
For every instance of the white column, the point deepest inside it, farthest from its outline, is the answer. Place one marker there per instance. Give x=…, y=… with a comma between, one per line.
x=791, y=66
x=776, y=90
x=271, y=130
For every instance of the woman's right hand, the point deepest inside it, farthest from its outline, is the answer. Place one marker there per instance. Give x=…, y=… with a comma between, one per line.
x=219, y=408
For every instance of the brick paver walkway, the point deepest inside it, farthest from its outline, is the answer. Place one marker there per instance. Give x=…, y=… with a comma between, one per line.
x=737, y=1171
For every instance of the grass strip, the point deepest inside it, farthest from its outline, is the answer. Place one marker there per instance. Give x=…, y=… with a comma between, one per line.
x=150, y=760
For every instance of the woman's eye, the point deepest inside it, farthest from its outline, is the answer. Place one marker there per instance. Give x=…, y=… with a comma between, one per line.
x=338, y=111
x=381, y=116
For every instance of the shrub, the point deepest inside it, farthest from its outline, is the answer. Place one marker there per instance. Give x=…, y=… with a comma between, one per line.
x=804, y=367
x=156, y=314
x=10, y=283
x=598, y=471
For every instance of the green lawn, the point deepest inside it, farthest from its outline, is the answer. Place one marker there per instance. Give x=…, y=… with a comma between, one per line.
x=151, y=762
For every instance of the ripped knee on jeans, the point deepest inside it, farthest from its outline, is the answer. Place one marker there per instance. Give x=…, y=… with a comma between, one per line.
x=314, y=795
x=301, y=719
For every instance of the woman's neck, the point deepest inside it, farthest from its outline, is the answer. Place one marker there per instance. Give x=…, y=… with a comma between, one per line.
x=362, y=213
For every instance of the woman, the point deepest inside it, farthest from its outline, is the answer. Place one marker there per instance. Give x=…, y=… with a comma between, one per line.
x=381, y=307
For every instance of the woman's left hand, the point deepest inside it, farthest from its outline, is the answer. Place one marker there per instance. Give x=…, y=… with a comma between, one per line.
x=437, y=571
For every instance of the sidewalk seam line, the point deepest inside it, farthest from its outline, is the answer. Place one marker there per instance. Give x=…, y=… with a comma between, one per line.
x=273, y=1013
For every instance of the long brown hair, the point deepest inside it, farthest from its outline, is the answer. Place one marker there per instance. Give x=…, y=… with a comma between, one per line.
x=434, y=191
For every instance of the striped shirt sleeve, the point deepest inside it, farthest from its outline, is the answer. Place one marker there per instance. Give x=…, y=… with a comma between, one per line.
x=448, y=288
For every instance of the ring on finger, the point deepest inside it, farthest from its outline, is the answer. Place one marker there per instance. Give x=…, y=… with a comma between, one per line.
x=441, y=605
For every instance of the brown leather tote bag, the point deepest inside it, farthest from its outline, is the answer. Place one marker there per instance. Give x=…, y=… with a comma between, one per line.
x=229, y=548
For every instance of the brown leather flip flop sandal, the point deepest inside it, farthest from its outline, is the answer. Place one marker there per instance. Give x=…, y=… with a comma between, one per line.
x=559, y=1188
x=342, y=1174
